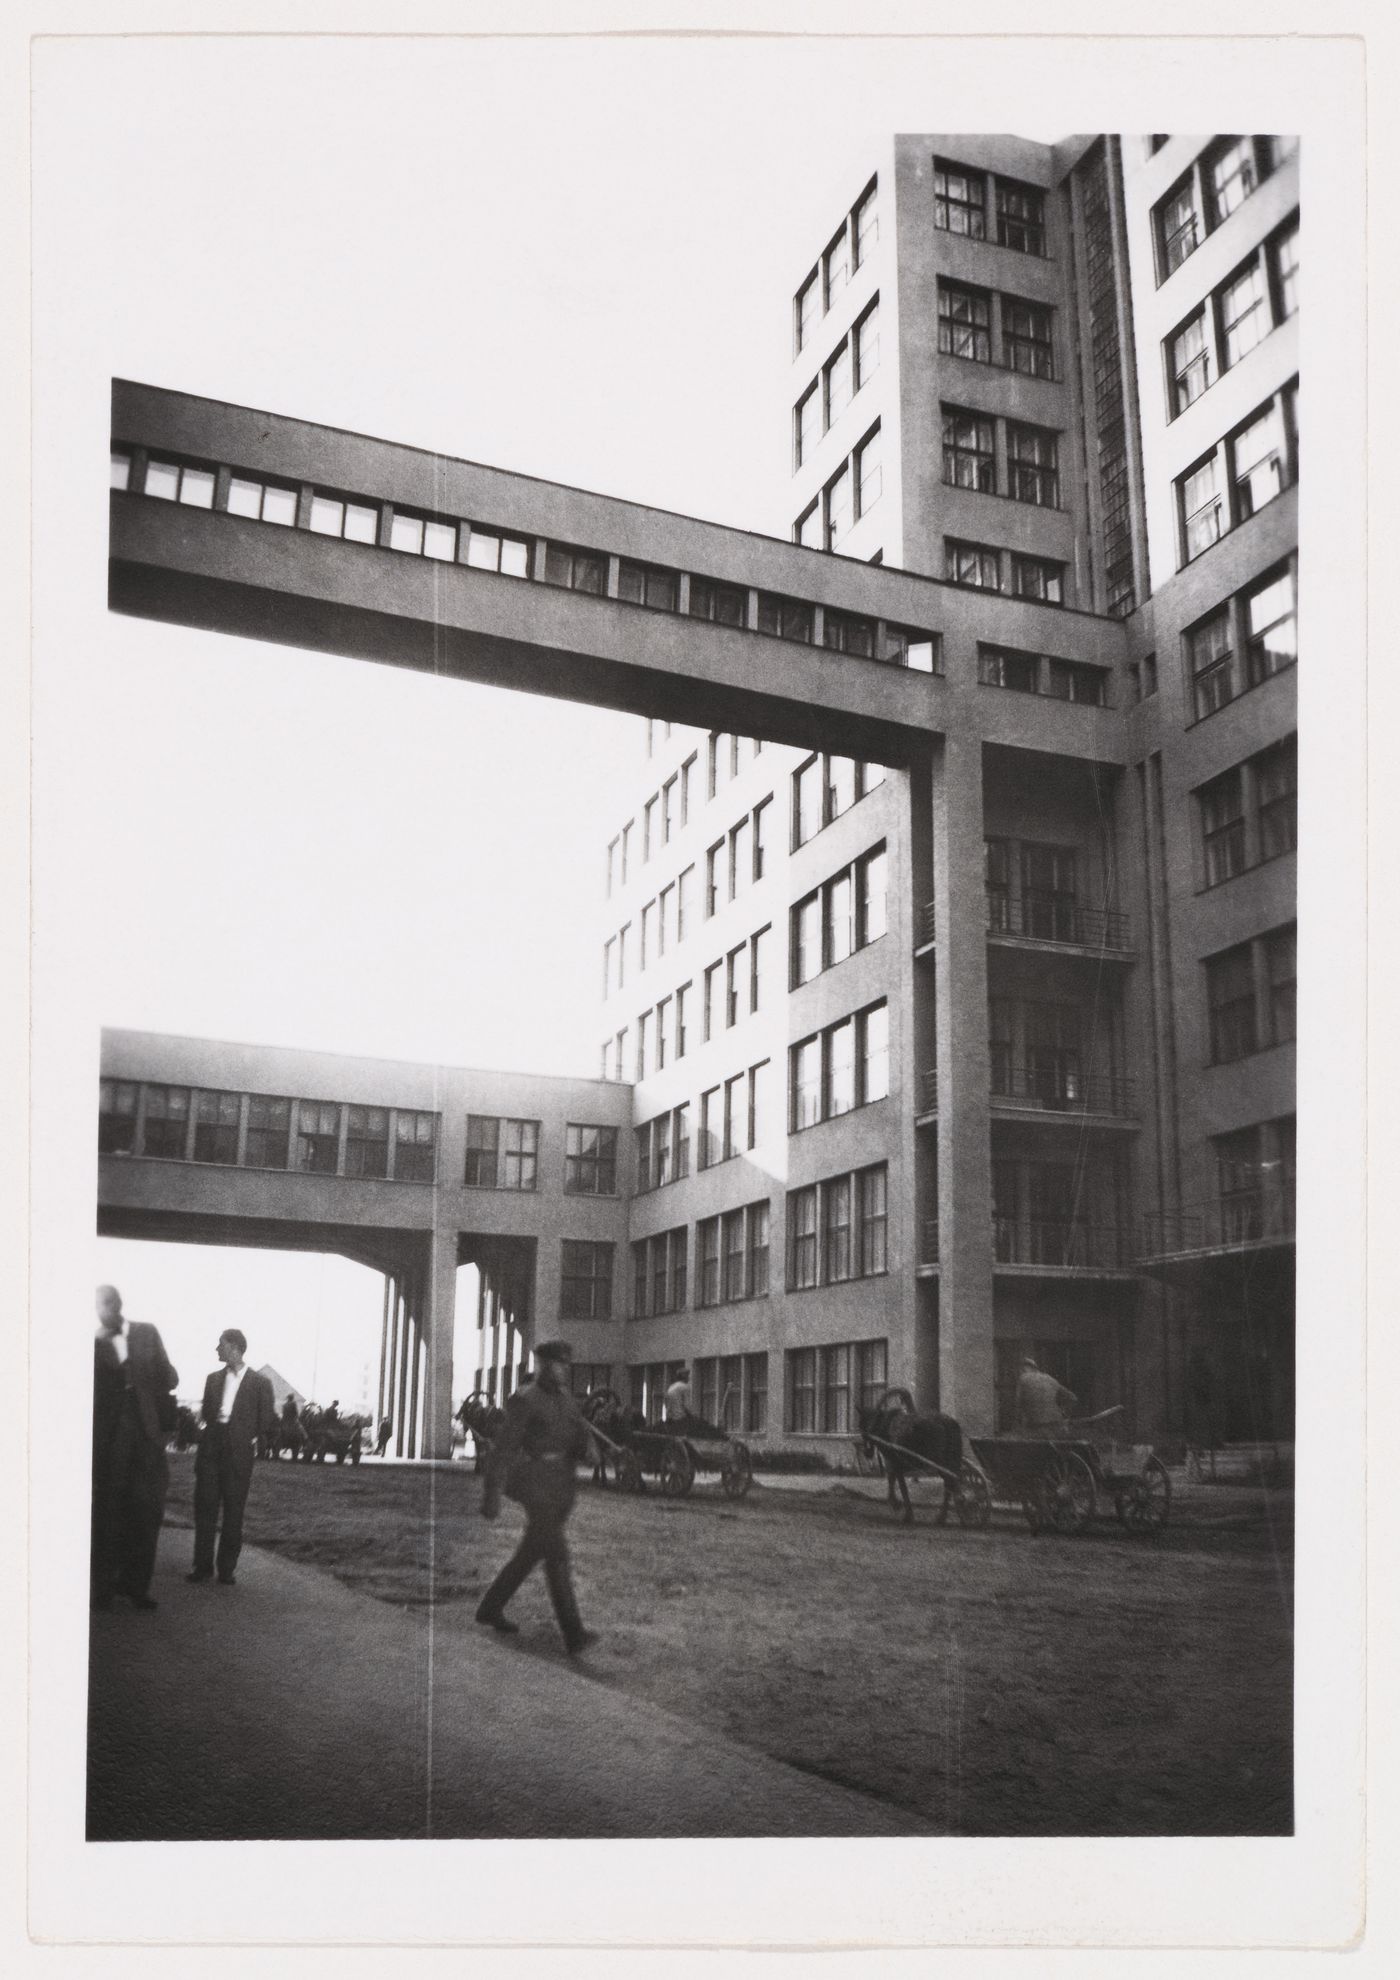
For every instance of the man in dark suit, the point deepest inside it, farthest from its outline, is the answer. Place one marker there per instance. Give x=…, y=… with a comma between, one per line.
x=133, y=1411
x=238, y=1412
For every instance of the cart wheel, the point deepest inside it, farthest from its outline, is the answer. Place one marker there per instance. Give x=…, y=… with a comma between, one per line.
x=1144, y=1504
x=1069, y=1486
x=736, y=1475
x=629, y=1471
x=677, y=1469
x=973, y=1499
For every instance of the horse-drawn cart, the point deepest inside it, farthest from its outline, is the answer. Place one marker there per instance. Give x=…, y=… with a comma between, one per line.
x=672, y=1458
x=1056, y=1482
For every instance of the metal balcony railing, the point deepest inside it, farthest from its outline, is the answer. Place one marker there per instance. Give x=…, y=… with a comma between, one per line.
x=1061, y=1087
x=1059, y=1242
x=928, y=1091
x=925, y=923
x=1241, y=1220
x=928, y=1250
x=1046, y=917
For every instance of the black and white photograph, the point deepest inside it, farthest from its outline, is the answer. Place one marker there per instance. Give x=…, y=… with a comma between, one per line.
x=666, y=1009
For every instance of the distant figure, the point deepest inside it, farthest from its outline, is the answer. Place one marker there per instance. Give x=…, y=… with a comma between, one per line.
x=238, y=1412
x=386, y=1431
x=133, y=1411
x=676, y=1406
x=532, y=1458
x=1042, y=1403
x=332, y=1414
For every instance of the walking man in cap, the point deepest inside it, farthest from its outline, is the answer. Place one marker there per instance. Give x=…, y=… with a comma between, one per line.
x=532, y=1459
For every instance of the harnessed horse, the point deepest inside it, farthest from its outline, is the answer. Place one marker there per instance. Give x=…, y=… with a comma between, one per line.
x=892, y=1426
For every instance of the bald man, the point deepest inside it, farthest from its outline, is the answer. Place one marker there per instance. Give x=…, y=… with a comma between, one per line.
x=133, y=1411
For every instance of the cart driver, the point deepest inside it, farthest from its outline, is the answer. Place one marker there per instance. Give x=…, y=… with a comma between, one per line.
x=679, y=1416
x=1042, y=1403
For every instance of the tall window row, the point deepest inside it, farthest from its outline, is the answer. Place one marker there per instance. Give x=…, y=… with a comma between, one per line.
x=988, y=206
x=1001, y=457
x=1243, y=642
x=1256, y=298
x=827, y=1387
x=1252, y=995
x=841, y=379
x=848, y=496
x=824, y=788
x=1213, y=187
x=987, y=567
x=1248, y=814
x=988, y=327
x=843, y=1067
x=846, y=913
x=1240, y=475
x=838, y=1229
x=1041, y=673
x=848, y=250
x=263, y=1131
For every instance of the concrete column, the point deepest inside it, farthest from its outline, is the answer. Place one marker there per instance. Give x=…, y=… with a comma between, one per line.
x=965, y=1361
x=439, y=1308
x=383, y=1356
x=403, y=1293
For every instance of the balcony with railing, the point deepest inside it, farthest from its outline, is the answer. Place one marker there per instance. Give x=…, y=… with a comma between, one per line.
x=1039, y=915
x=927, y=1093
x=928, y=1244
x=923, y=927
x=1250, y=1220
x=1057, y=1244
x=1058, y=1085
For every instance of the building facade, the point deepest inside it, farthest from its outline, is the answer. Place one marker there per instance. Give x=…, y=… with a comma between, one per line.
x=947, y=1011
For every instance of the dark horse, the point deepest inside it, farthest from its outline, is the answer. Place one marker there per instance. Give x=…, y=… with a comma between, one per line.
x=894, y=1420
x=616, y=1421
x=481, y=1417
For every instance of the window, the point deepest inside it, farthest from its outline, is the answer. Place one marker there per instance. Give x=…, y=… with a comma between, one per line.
x=959, y=200
x=665, y=917
x=332, y=516
x=1026, y=340
x=733, y=978
x=116, y=1116
x=682, y=997
x=1005, y=667
x=415, y=1137
x=806, y=1088
x=969, y=452
x=759, y=1123
x=1202, y=510
x=906, y=646
x=836, y=267
x=837, y=384
x=760, y=846
x=216, y=1127
x=707, y=1262
x=865, y=226
x=842, y=1068
x=1020, y=217
x=643, y=1038
x=1071, y=680
x=802, y=1239
x=318, y=1137
x=1281, y=976
x=575, y=570
x=1283, y=269
x=726, y=604
x=1221, y=807
x=806, y=940
x=713, y=856
x=644, y=584
x=869, y=474
x=1240, y=1180
x=166, y=1121
x=838, y=509
x=964, y=322
x=585, y=1287
x=121, y=469
x=367, y=1142
x=976, y=564
x=626, y=844
x=836, y=1230
x=520, y=1155
x=1049, y=895
x=838, y=924
x=786, y=618
x=732, y=1254
x=873, y=1043
x=808, y=308
x=1230, y=175
x=659, y=1274
x=1276, y=794
x=1178, y=226
x=1271, y=632
x=491, y=550
x=1230, y=1001
x=711, y=1122
x=269, y=1131
x=421, y=536
x=1244, y=316
x=713, y=993
x=806, y=426
x=685, y=893
x=843, y=632
x=1037, y=577
x=1211, y=659
x=871, y=921
x=867, y=346
x=1032, y=465
x=807, y=801
x=687, y=769
x=1190, y=362
x=1258, y=465
x=264, y=501
x=758, y=957
x=172, y=481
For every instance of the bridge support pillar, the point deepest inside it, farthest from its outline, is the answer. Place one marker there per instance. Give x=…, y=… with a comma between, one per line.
x=966, y=1359
x=438, y=1312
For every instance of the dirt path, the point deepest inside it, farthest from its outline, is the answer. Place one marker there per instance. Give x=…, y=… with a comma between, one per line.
x=995, y=1683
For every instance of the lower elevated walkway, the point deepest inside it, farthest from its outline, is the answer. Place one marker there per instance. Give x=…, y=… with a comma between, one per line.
x=290, y=1708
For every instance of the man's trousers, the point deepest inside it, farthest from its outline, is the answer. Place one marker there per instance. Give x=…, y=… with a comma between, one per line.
x=544, y=1541
x=220, y=1488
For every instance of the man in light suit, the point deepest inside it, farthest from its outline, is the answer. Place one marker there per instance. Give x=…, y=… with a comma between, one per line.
x=133, y=1410
x=238, y=1412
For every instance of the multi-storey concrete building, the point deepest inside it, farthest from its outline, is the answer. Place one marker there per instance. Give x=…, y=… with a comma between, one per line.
x=953, y=1016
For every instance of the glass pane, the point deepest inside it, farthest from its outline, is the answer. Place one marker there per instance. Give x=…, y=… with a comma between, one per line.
x=483, y=550
x=279, y=506
x=440, y=541
x=361, y=525
x=406, y=533
x=197, y=488
x=515, y=557
x=327, y=516
x=244, y=497
x=162, y=480
x=121, y=470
